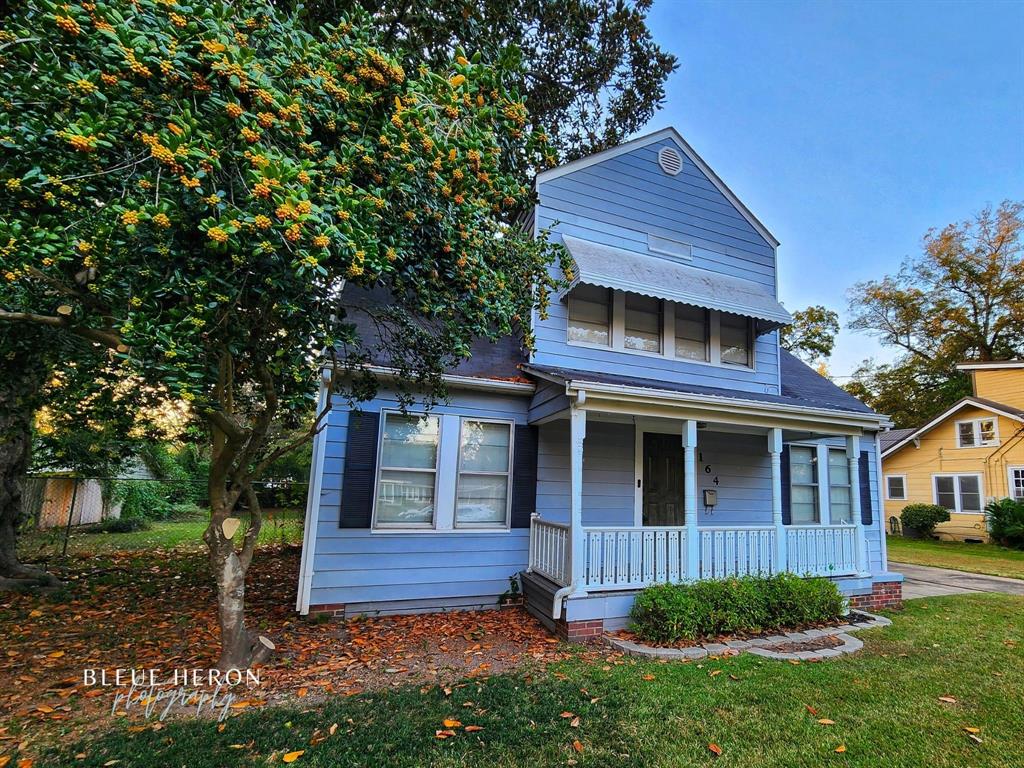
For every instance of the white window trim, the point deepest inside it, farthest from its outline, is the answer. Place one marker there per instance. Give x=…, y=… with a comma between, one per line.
x=380, y=469
x=976, y=428
x=611, y=322
x=896, y=498
x=668, y=337
x=824, y=508
x=850, y=484
x=1009, y=479
x=956, y=491
x=507, y=524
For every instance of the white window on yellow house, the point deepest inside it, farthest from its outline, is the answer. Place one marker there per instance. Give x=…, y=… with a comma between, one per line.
x=896, y=487
x=959, y=493
x=977, y=433
x=1017, y=482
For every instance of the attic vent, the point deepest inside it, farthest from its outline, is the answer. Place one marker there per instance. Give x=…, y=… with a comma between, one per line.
x=670, y=161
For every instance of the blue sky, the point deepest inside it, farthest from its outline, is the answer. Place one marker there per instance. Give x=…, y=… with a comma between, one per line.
x=850, y=129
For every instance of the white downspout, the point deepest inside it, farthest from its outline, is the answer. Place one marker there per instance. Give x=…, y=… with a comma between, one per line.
x=313, y=501
x=884, y=543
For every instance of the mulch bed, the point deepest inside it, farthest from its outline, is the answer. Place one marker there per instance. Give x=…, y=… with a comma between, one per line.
x=156, y=610
x=815, y=644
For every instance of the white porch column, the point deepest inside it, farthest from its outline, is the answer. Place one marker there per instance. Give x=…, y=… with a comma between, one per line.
x=853, y=459
x=690, y=499
x=775, y=452
x=577, y=553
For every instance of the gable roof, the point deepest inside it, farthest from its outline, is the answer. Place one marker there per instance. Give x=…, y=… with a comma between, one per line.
x=685, y=148
x=801, y=381
x=1010, y=411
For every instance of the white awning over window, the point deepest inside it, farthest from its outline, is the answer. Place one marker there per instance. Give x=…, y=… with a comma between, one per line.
x=617, y=268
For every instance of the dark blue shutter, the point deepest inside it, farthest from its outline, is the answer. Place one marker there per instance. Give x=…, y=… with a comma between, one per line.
x=865, y=488
x=524, y=476
x=787, y=515
x=360, y=470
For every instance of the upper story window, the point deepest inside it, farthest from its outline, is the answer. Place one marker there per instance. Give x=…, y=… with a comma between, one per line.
x=643, y=323
x=590, y=315
x=977, y=433
x=691, y=332
x=407, y=476
x=735, y=339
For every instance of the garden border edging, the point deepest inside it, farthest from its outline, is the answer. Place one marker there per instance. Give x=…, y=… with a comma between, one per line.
x=763, y=645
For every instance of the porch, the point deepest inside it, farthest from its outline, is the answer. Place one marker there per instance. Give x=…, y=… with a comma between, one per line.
x=663, y=495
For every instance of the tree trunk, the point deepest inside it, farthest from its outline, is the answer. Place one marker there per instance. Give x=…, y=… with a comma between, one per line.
x=24, y=377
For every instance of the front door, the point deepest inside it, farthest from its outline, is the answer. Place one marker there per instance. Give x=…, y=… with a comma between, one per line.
x=663, y=479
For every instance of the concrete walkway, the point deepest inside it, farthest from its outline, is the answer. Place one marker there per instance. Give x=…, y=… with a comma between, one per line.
x=925, y=581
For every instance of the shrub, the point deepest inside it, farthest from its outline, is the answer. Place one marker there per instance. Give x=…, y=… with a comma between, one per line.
x=668, y=613
x=1006, y=522
x=922, y=518
x=119, y=525
x=142, y=499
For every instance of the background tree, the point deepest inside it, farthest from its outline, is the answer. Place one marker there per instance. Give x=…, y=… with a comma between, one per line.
x=962, y=299
x=194, y=189
x=812, y=335
x=912, y=392
x=591, y=72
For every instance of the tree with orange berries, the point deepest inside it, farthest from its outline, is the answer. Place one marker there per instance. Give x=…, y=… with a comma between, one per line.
x=193, y=187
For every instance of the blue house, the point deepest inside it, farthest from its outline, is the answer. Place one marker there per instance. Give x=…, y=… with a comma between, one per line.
x=656, y=433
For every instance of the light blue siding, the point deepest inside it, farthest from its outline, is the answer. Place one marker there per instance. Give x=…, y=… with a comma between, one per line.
x=619, y=202
x=371, y=572
x=608, y=473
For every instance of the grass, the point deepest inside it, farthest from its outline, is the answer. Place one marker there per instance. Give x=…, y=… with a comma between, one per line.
x=884, y=703
x=284, y=526
x=976, y=558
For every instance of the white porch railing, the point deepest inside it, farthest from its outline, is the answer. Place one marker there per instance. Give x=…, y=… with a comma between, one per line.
x=631, y=558
x=549, y=550
x=822, y=550
x=736, y=552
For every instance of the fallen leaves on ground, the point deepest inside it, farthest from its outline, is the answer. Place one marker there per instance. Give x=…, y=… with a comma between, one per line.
x=156, y=610
x=715, y=749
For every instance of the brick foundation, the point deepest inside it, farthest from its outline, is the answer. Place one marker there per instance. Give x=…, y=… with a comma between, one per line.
x=884, y=594
x=333, y=610
x=580, y=631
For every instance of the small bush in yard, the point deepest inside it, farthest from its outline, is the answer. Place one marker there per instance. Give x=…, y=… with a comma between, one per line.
x=1006, y=522
x=922, y=518
x=668, y=613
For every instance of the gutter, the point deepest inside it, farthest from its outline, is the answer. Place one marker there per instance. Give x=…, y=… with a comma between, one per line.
x=313, y=502
x=849, y=417
x=464, y=382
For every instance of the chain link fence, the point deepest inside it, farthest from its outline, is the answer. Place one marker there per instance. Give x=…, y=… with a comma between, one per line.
x=62, y=512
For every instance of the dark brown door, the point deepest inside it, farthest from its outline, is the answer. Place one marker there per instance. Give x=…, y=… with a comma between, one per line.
x=663, y=479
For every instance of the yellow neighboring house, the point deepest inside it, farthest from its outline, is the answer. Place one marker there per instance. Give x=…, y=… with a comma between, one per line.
x=972, y=453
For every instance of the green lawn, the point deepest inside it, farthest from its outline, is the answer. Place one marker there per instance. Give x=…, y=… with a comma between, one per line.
x=280, y=528
x=977, y=558
x=884, y=703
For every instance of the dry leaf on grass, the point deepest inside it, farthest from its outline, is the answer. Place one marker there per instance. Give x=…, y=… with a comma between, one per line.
x=291, y=757
x=947, y=699
x=826, y=721
x=577, y=745
x=841, y=748
x=715, y=749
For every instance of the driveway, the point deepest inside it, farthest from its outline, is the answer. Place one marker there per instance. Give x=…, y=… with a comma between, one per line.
x=925, y=581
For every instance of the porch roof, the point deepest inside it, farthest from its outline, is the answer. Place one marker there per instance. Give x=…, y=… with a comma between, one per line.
x=617, y=268
x=802, y=388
